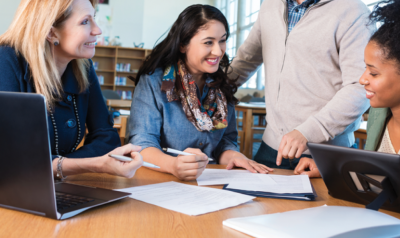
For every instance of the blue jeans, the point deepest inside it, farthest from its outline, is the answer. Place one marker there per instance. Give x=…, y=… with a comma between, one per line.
x=267, y=156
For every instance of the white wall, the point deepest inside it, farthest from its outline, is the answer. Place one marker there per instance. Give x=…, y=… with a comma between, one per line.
x=159, y=15
x=132, y=20
x=7, y=12
x=126, y=20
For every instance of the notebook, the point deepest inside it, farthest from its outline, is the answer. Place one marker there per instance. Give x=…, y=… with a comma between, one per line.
x=319, y=222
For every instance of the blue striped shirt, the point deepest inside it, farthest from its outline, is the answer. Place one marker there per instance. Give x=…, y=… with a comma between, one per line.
x=296, y=11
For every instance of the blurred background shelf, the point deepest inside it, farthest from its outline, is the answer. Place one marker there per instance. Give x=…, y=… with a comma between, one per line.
x=114, y=64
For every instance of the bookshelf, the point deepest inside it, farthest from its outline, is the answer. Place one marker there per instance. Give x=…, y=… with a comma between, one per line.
x=113, y=65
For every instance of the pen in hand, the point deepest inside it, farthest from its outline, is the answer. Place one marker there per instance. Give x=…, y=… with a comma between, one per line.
x=127, y=159
x=178, y=152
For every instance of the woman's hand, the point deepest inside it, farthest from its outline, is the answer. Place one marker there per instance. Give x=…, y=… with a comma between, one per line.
x=125, y=169
x=190, y=167
x=236, y=159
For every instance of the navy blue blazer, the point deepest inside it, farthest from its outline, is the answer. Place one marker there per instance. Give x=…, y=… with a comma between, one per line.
x=15, y=76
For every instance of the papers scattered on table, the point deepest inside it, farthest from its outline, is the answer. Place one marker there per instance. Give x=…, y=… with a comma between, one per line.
x=260, y=185
x=275, y=184
x=257, y=103
x=222, y=176
x=325, y=221
x=124, y=112
x=363, y=125
x=187, y=199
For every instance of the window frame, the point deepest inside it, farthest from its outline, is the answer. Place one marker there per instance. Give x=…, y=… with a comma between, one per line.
x=241, y=27
x=240, y=19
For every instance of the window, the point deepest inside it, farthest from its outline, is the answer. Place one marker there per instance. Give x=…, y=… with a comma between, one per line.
x=251, y=14
x=241, y=15
x=229, y=9
x=370, y=3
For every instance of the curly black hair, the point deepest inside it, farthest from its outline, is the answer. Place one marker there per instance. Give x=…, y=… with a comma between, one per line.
x=388, y=35
x=167, y=52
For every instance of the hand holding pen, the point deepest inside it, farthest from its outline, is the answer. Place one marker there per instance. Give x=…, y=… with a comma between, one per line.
x=189, y=164
x=177, y=152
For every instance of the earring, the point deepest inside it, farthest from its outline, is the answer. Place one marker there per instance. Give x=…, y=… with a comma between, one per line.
x=56, y=43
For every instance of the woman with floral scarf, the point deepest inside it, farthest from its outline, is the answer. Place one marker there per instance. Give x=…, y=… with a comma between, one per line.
x=185, y=101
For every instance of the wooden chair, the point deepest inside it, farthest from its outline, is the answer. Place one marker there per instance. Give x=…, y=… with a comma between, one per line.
x=257, y=129
x=120, y=123
x=239, y=124
x=361, y=134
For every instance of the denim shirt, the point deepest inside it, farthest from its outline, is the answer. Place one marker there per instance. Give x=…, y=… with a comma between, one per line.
x=15, y=76
x=155, y=122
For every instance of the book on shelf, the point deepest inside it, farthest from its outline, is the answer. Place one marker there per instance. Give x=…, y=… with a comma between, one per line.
x=95, y=65
x=125, y=95
x=101, y=79
x=120, y=81
x=121, y=67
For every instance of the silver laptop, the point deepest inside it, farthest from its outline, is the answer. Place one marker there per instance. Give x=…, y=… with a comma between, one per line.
x=26, y=174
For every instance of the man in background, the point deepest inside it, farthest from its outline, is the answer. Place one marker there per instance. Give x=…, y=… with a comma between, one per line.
x=313, y=55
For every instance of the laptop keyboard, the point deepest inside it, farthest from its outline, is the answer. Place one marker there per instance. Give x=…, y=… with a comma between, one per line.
x=65, y=200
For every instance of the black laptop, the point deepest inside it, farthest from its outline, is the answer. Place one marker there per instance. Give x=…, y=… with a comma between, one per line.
x=367, y=177
x=26, y=175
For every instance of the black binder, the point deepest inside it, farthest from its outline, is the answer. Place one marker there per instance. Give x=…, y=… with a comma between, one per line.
x=292, y=196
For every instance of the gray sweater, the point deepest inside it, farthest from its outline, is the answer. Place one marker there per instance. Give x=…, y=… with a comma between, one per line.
x=311, y=74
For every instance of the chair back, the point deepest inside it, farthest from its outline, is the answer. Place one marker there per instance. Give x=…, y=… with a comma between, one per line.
x=110, y=94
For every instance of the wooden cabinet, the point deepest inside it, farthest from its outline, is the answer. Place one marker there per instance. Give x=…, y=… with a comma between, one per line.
x=113, y=65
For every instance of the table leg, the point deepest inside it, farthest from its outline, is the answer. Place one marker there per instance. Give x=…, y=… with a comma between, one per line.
x=248, y=146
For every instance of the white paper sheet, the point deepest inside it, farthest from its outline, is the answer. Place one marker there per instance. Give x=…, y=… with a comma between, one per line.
x=282, y=184
x=224, y=176
x=318, y=222
x=187, y=199
x=124, y=112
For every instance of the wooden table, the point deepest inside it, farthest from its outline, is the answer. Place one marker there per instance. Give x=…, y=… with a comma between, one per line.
x=248, y=111
x=132, y=218
x=119, y=104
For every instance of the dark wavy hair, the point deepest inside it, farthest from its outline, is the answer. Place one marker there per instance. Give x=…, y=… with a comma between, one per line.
x=167, y=52
x=388, y=35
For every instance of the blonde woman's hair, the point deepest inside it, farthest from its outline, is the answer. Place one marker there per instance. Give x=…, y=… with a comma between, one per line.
x=27, y=35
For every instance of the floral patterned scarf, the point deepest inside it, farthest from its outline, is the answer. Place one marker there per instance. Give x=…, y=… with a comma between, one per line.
x=207, y=117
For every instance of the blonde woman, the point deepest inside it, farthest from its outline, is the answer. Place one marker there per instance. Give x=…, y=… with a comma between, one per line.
x=46, y=51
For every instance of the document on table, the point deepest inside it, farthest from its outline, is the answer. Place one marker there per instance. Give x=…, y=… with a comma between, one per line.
x=187, y=199
x=245, y=180
x=281, y=184
x=124, y=112
x=222, y=176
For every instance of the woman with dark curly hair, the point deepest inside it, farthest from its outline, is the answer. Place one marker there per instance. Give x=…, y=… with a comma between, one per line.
x=382, y=79
x=185, y=101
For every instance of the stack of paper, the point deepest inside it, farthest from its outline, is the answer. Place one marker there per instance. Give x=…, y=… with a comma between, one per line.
x=260, y=185
x=318, y=222
x=124, y=112
x=187, y=199
x=223, y=176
